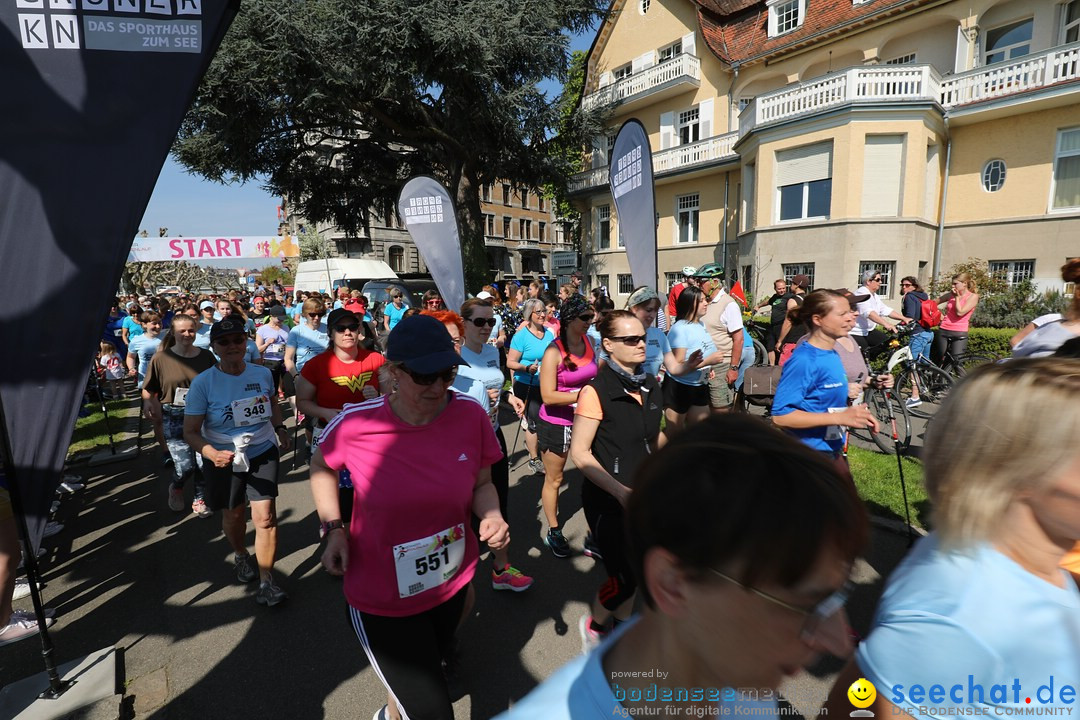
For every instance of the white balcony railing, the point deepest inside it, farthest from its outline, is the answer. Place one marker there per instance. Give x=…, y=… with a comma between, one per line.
x=869, y=84
x=683, y=157
x=1001, y=79
x=494, y=241
x=680, y=66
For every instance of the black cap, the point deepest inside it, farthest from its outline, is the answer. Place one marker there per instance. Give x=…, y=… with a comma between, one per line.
x=227, y=326
x=422, y=344
x=277, y=310
x=336, y=316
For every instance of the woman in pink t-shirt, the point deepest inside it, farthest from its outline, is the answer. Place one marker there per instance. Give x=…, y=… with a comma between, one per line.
x=409, y=554
x=959, y=307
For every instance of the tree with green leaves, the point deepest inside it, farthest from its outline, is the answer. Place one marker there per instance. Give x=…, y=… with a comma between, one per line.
x=336, y=103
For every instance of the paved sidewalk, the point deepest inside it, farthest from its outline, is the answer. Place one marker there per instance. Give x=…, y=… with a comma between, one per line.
x=127, y=571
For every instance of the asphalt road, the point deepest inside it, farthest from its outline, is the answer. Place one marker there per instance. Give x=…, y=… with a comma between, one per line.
x=128, y=572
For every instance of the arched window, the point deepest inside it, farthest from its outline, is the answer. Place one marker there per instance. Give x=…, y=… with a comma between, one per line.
x=396, y=255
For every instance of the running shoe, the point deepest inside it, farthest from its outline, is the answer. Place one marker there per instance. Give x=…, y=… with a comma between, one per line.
x=510, y=578
x=589, y=638
x=198, y=506
x=554, y=539
x=382, y=713
x=52, y=528
x=22, y=588
x=167, y=461
x=68, y=487
x=176, y=498
x=21, y=626
x=591, y=550
x=54, y=507
x=913, y=402
x=245, y=571
x=269, y=594
x=536, y=465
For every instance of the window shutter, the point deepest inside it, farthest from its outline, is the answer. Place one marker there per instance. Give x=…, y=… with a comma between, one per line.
x=599, y=150
x=804, y=164
x=688, y=45
x=646, y=60
x=883, y=164
x=962, y=47
x=705, y=116
x=933, y=171
x=606, y=79
x=667, y=130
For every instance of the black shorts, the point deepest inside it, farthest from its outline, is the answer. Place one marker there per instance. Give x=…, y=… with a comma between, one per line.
x=551, y=437
x=680, y=398
x=408, y=652
x=530, y=395
x=226, y=489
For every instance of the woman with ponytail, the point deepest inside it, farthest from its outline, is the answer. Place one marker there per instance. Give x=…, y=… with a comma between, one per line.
x=568, y=365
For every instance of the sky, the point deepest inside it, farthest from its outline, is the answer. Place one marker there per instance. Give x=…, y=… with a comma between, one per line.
x=191, y=206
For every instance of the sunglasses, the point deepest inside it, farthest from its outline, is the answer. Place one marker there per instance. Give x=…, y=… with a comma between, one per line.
x=351, y=328
x=631, y=340
x=587, y=317
x=232, y=340
x=906, y=285
x=481, y=322
x=447, y=376
x=434, y=303
x=314, y=315
x=877, y=279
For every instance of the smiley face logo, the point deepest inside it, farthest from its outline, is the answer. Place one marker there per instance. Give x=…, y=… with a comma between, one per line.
x=862, y=693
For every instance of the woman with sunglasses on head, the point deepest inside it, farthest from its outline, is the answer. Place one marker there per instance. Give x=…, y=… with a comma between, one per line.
x=523, y=359
x=743, y=577
x=344, y=373
x=616, y=426
x=983, y=598
x=481, y=379
x=168, y=380
x=409, y=557
x=568, y=364
x=232, y=419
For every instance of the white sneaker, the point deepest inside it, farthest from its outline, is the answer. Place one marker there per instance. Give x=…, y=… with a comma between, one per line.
x=70, y=487
x=21, y=626
x=22, y=588
x=52, y=528
x=913, y=402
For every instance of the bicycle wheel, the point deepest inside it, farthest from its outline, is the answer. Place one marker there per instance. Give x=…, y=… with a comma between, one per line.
x=969, y=361
x=761, y=355
x=879, y=402
x=926, y=383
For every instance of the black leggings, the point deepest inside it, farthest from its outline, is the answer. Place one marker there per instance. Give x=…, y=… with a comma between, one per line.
x=955, y=341
x=407, y=654
x=500, y=478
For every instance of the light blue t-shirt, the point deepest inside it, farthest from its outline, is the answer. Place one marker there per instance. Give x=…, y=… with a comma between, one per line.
x=581, y=689
x=202, y=336
x=467, y=383
x=532, y=350
x=251, y=352
x=813, y=380
x=498, y=327
x=974, y=618
x=394, y=314
x=485, y=368
x=693, y=336
x=133, y=327
x=143, y=347
x=213, y=392
x=656, y=347
x=308, y=342
x=594, y=337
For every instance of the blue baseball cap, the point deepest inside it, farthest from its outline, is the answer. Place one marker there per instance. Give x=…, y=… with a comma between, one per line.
x=422, y=344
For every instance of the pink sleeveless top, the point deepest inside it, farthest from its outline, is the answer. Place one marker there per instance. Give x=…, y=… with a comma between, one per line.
x=570, y=381
x=953, y=321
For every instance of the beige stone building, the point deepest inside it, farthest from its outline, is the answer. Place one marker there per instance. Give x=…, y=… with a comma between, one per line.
x=827, y=137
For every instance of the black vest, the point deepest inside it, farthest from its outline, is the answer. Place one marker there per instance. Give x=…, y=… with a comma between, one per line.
x=622, y=439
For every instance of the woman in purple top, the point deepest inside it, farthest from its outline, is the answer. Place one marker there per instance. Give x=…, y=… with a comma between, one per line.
x=568, y=365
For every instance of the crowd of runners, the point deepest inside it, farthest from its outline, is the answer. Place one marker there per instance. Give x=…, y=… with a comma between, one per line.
x=727, y=545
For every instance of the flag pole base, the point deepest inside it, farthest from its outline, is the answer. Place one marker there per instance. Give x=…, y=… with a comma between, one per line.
x=94, y=680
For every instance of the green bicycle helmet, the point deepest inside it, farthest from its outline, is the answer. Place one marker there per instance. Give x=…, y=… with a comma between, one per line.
x=710, y=270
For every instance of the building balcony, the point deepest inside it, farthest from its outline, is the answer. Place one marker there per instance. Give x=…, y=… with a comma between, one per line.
x=1023, y=75
x=681, y=73
x=865, y=84
x=527, y=244
x=494, y=241
x=676, y=160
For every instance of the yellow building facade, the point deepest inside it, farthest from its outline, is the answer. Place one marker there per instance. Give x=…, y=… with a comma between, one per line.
x=829, y=137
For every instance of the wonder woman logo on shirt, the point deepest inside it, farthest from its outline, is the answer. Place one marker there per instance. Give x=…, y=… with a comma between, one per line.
x=354, y=382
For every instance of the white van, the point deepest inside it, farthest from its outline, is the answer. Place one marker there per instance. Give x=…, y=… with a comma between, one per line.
x=327, y=275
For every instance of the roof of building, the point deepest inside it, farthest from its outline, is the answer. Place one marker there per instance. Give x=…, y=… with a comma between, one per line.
x=736, y=31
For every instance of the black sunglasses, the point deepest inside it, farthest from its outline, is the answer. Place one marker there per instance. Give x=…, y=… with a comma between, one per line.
x=351, y=327
x=587, y=317
x=314, y=315
x=481, y=322
x=425, y=379
x=877, y=279
x=232, y=340
x=631, y=340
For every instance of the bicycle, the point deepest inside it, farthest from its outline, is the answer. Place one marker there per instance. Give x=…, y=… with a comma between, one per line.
x=960, y=365
x=920, y=384
x=757, y=336
x=878, y=400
